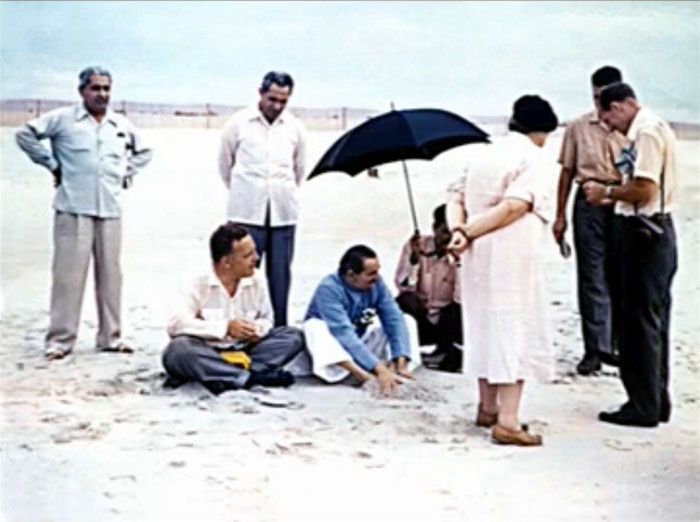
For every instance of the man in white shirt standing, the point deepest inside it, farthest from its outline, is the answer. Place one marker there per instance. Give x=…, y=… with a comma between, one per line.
x=645, y=200
x=94, y=154
x=228, y=309
x=261, y=162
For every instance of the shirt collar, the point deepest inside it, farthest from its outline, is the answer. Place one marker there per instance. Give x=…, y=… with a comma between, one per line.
x=255, y=114
x=81, y=113
x=636, y=123
x=214, y=281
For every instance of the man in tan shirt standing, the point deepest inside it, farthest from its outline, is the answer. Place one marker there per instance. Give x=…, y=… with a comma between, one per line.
x=644, y=201
x=588, y=152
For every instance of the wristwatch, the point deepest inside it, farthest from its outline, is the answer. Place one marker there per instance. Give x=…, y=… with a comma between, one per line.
x=608, y=192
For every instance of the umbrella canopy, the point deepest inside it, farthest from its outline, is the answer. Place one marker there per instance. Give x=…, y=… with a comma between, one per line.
x=398, y=135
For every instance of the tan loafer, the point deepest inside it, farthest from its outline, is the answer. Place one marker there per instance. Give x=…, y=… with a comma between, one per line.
x=503, y=435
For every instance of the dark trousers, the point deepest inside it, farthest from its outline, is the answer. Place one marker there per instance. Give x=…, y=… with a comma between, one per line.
x=189, y=358
x=650, y=265
x=597, y=239
x=276, y=245
x=444, y=333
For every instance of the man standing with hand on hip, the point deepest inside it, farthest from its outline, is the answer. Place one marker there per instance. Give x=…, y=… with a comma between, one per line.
x=95, y=152
x=261, y=162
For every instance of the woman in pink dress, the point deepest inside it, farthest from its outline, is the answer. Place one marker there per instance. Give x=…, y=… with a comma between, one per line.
x=497, y=212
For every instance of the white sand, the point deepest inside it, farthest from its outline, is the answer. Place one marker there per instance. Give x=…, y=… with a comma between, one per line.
x=95, y=437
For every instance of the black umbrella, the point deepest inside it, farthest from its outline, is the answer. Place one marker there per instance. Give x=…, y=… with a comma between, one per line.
x=398, y=135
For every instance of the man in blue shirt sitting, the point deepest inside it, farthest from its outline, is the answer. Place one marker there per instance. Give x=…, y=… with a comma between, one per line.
x=341, y=329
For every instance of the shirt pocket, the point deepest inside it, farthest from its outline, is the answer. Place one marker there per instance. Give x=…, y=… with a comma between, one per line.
x=113, y=143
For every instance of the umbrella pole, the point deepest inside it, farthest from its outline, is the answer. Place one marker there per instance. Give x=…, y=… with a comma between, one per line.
x=410, y=198
x=408, y=188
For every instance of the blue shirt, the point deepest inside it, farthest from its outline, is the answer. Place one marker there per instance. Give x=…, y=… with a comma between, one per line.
x=347, y=312
x=94, y=157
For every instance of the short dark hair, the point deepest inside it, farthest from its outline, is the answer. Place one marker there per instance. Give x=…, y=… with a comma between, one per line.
x=221, y=241
x=615, y=92
x=87, y=73
x=354, y=259
x=532, y=114
x=278, y=78
x=605, y=76
x=439, y=215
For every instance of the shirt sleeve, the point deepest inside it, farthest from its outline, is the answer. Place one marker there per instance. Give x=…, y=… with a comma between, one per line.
x=333, y=313
x=406, y=275
x=650, y=157
x=30, y=135
x=227, y=151
x=393, y=322
x=300, y=156
x=140, y=154
x=524, y=184
x=567, y=154
x=264, y=314
x=186, y=316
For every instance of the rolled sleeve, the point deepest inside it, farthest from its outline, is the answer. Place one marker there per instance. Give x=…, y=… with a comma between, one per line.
x=30, y=135
x=406, y=273
x=186, y=317
x=567, y=154
x=263, y=320
x=140, y=155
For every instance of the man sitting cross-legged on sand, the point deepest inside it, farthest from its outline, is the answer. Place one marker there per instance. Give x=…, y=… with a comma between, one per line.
x=426, y=277
x=342, y=334
x=229, y=309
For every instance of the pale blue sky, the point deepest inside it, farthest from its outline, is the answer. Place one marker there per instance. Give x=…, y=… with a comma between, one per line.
x=471, y=57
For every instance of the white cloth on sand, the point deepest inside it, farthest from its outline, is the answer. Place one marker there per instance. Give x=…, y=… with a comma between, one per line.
x=323, y=351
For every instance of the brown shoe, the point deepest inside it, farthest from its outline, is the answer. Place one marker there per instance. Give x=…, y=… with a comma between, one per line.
x=485, y=419
x=503, y=435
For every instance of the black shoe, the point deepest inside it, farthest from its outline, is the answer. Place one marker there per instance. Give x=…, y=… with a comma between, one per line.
x=452, y=362
x=588, y=365
x=626, y=417
x=611, y=359
x=433, y=360
x=271, y=378
x=665, y=411
x=172, y=383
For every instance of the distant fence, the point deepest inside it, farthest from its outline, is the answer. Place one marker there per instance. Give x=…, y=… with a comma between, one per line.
x=14, y=113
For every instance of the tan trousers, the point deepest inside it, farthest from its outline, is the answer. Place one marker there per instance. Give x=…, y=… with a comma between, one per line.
x=76, y=239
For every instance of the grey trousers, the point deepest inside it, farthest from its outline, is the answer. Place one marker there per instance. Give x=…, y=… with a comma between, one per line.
x=77, y=238
x=189, y=358
x=597, y=236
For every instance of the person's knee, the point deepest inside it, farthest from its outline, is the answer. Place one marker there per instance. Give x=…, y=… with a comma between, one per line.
x=177, y=352
x=295, y=337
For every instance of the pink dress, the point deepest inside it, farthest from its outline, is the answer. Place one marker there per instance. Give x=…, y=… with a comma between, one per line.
x=507, y=329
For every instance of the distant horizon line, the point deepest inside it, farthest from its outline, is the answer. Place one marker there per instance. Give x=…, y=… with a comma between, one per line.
x=181, y=109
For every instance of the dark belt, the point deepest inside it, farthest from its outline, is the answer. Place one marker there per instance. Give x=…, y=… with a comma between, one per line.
x=602, y=182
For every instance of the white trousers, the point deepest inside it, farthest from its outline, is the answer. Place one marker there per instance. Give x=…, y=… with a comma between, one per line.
x=324, y=353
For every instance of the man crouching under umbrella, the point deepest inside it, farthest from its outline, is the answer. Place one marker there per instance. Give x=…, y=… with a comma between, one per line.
x=221, y=327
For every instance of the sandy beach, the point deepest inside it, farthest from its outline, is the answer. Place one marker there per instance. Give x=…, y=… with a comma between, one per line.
x=95, y=437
